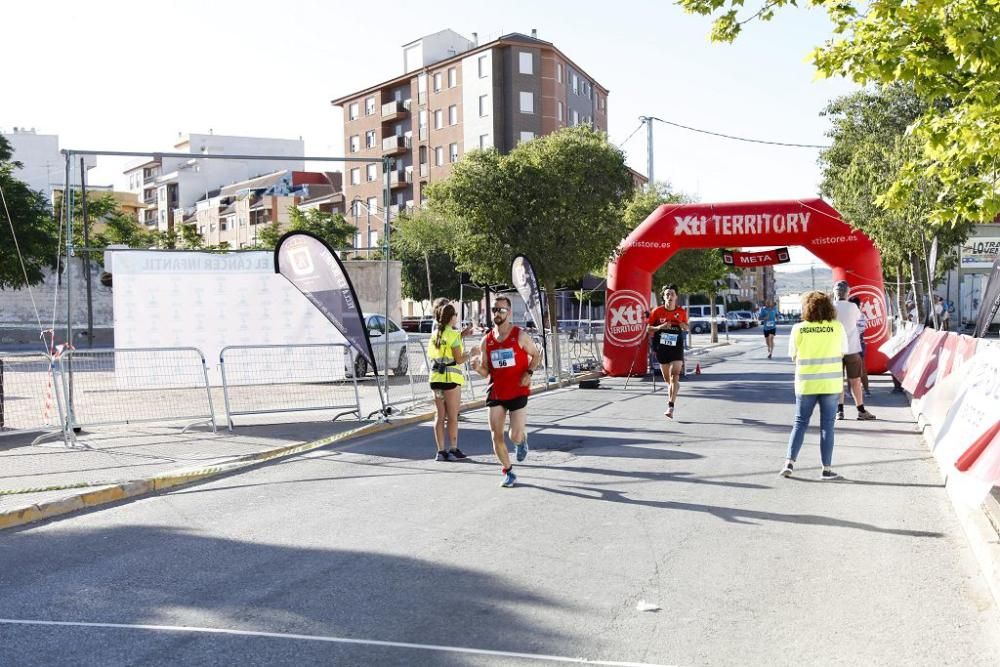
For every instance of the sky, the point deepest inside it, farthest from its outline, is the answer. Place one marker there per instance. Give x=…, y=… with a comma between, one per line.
x=113, y=75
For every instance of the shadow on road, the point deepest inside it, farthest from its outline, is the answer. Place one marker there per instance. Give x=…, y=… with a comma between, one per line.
x=155, y=575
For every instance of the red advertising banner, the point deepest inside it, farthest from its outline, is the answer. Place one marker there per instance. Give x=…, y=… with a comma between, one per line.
x=761, y=258
x=923, y=362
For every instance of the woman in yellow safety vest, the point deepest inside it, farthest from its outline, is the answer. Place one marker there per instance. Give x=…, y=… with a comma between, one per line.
x=817, y=345
x=447, y=354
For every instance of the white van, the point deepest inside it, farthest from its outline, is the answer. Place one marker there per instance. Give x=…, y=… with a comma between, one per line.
x=699, y=321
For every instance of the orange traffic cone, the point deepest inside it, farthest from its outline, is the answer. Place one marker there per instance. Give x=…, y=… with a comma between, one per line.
x=697, y=369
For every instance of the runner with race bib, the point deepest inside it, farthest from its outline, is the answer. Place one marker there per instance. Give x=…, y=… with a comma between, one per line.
x=668, y=325
x=768, y=317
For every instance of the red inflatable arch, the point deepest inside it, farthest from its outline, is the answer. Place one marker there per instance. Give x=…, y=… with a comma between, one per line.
x=810, y=223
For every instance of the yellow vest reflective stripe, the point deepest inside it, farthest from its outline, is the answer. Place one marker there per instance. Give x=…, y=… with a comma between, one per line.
x=819, y=361
x=443, y=354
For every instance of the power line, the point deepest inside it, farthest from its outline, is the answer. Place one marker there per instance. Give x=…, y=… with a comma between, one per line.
x=622, y=144
x=733, y=137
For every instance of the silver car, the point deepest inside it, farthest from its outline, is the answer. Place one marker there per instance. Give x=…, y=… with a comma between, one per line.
x=357, y=366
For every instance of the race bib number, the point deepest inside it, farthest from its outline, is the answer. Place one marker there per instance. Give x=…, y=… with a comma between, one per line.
x=668, y=339
x=502, y=358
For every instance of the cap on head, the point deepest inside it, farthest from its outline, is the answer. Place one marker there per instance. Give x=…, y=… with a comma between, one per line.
x=841, y=289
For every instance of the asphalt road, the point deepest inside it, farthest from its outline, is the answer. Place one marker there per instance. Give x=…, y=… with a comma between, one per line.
x=376, y=555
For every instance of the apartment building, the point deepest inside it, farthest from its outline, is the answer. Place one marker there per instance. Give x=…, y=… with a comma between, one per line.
x=456, y=95
x=168, y=187
x=235, y=213
x=43, y=167
x=756, y=284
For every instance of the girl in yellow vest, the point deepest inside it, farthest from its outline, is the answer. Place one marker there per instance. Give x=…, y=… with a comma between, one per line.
x=447, y=354
x=817, y=345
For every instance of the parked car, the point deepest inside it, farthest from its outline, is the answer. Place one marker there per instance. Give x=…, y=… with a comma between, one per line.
x=399, y=363
x=699, y=320
x=736, y=322
x=418, y=324
x=749, y=318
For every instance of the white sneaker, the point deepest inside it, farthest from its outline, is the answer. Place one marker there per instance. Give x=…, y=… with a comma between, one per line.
x=669, y=413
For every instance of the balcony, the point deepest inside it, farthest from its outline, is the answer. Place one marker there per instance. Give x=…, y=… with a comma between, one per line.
x=401, y=179
x=395, y=144
x=149, y=178
x=393, y=111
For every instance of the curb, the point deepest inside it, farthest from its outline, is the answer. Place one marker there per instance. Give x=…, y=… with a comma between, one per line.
x=112, y=492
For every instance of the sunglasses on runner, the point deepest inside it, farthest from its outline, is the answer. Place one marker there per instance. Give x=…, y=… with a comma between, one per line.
x=499, y=310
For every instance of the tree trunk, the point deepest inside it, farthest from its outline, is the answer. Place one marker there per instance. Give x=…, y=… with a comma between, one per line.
x=553, y=336
x=712, y=322
x=900, y=301
x=427, y=265
x=918, y=288
x=929, y=272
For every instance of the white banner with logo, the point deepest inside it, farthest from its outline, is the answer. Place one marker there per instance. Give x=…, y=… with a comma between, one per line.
x=980, y=253
x=208, y=301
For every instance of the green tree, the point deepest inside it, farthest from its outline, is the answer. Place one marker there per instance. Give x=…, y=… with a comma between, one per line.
x=557, y=199
x=946, y=51
x=108, y=223
x=331, y=227
x=34, y=229
x=423, y=243
x=870, y=149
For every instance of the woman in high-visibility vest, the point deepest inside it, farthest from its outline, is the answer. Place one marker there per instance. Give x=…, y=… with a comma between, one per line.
x=446, y=355
x=817, y=345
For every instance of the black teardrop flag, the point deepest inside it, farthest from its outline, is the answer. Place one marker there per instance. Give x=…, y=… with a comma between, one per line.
x=316, y=271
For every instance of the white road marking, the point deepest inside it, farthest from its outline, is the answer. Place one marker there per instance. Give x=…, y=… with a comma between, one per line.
x=332, y=640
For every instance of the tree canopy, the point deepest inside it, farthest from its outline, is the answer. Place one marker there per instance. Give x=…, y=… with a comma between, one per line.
x=35, y=231
x=423, y=243
x=556, y=199
x=947, y=52
x=331, y=227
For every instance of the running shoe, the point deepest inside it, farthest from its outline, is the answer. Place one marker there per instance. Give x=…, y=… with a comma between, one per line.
x=457, y=454
x=443, y=456
x=768, y=355
x=828, y=475
x=508, y=479
x=787, y=470
x=865, y=416
x=868, y=393
x=521, y=450
x=669, y=413
x=840, y=415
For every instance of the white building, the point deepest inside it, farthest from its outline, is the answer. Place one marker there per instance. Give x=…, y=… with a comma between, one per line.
x=43, y=168
x=170, y=186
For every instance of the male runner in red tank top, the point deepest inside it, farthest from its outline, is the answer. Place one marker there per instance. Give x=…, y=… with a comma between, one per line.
x=509, y=357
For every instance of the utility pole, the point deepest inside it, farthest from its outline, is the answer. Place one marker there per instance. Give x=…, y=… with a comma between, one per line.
x=649, y=148
x=812, y=274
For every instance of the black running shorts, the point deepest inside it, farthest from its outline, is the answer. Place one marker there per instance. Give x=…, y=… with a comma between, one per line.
x=509, y=405
x=666, y=355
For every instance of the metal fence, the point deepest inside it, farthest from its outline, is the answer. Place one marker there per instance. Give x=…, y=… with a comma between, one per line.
x=419, y=394
x=259, y=379
x=131, y=386
x=30, y=400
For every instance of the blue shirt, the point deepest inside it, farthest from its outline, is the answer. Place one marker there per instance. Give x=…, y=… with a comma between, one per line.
x=769, y=317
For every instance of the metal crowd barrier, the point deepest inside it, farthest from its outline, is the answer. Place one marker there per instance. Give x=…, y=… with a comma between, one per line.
x=30, y=396
x=419, y=376
x=131, y=386
x=261, y=379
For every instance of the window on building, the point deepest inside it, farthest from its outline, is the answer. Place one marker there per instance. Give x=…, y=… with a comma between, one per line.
x=356, y=176
x=372, y=238
x=373, y=205
x=527, y=102
x=452, y=77
x=357, y=240
x=453, y=152
x=439, y=156
x=600, y=101
x=484, y=66
x=527, y=136
x=223, y=225
x=369, y=105
x=484, y=141
x=422, y=89
x=525, y=62
x=371, y=139
x=574, y=118
x=438, y=119
x=437, y=82
x=575, y=83
x=559, y=110
x=352, y=111
x=484, y=105
x=355, y=143
x=559, y=72
x=453, y=114
x=371, y=172
x=356, y=208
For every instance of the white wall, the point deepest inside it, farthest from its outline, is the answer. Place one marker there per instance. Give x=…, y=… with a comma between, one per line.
x=43, y=166
x=472, y=87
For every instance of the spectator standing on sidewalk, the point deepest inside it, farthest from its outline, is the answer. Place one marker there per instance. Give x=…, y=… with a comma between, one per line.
x=817, y=345
x=446, y=354
x=862, y=325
